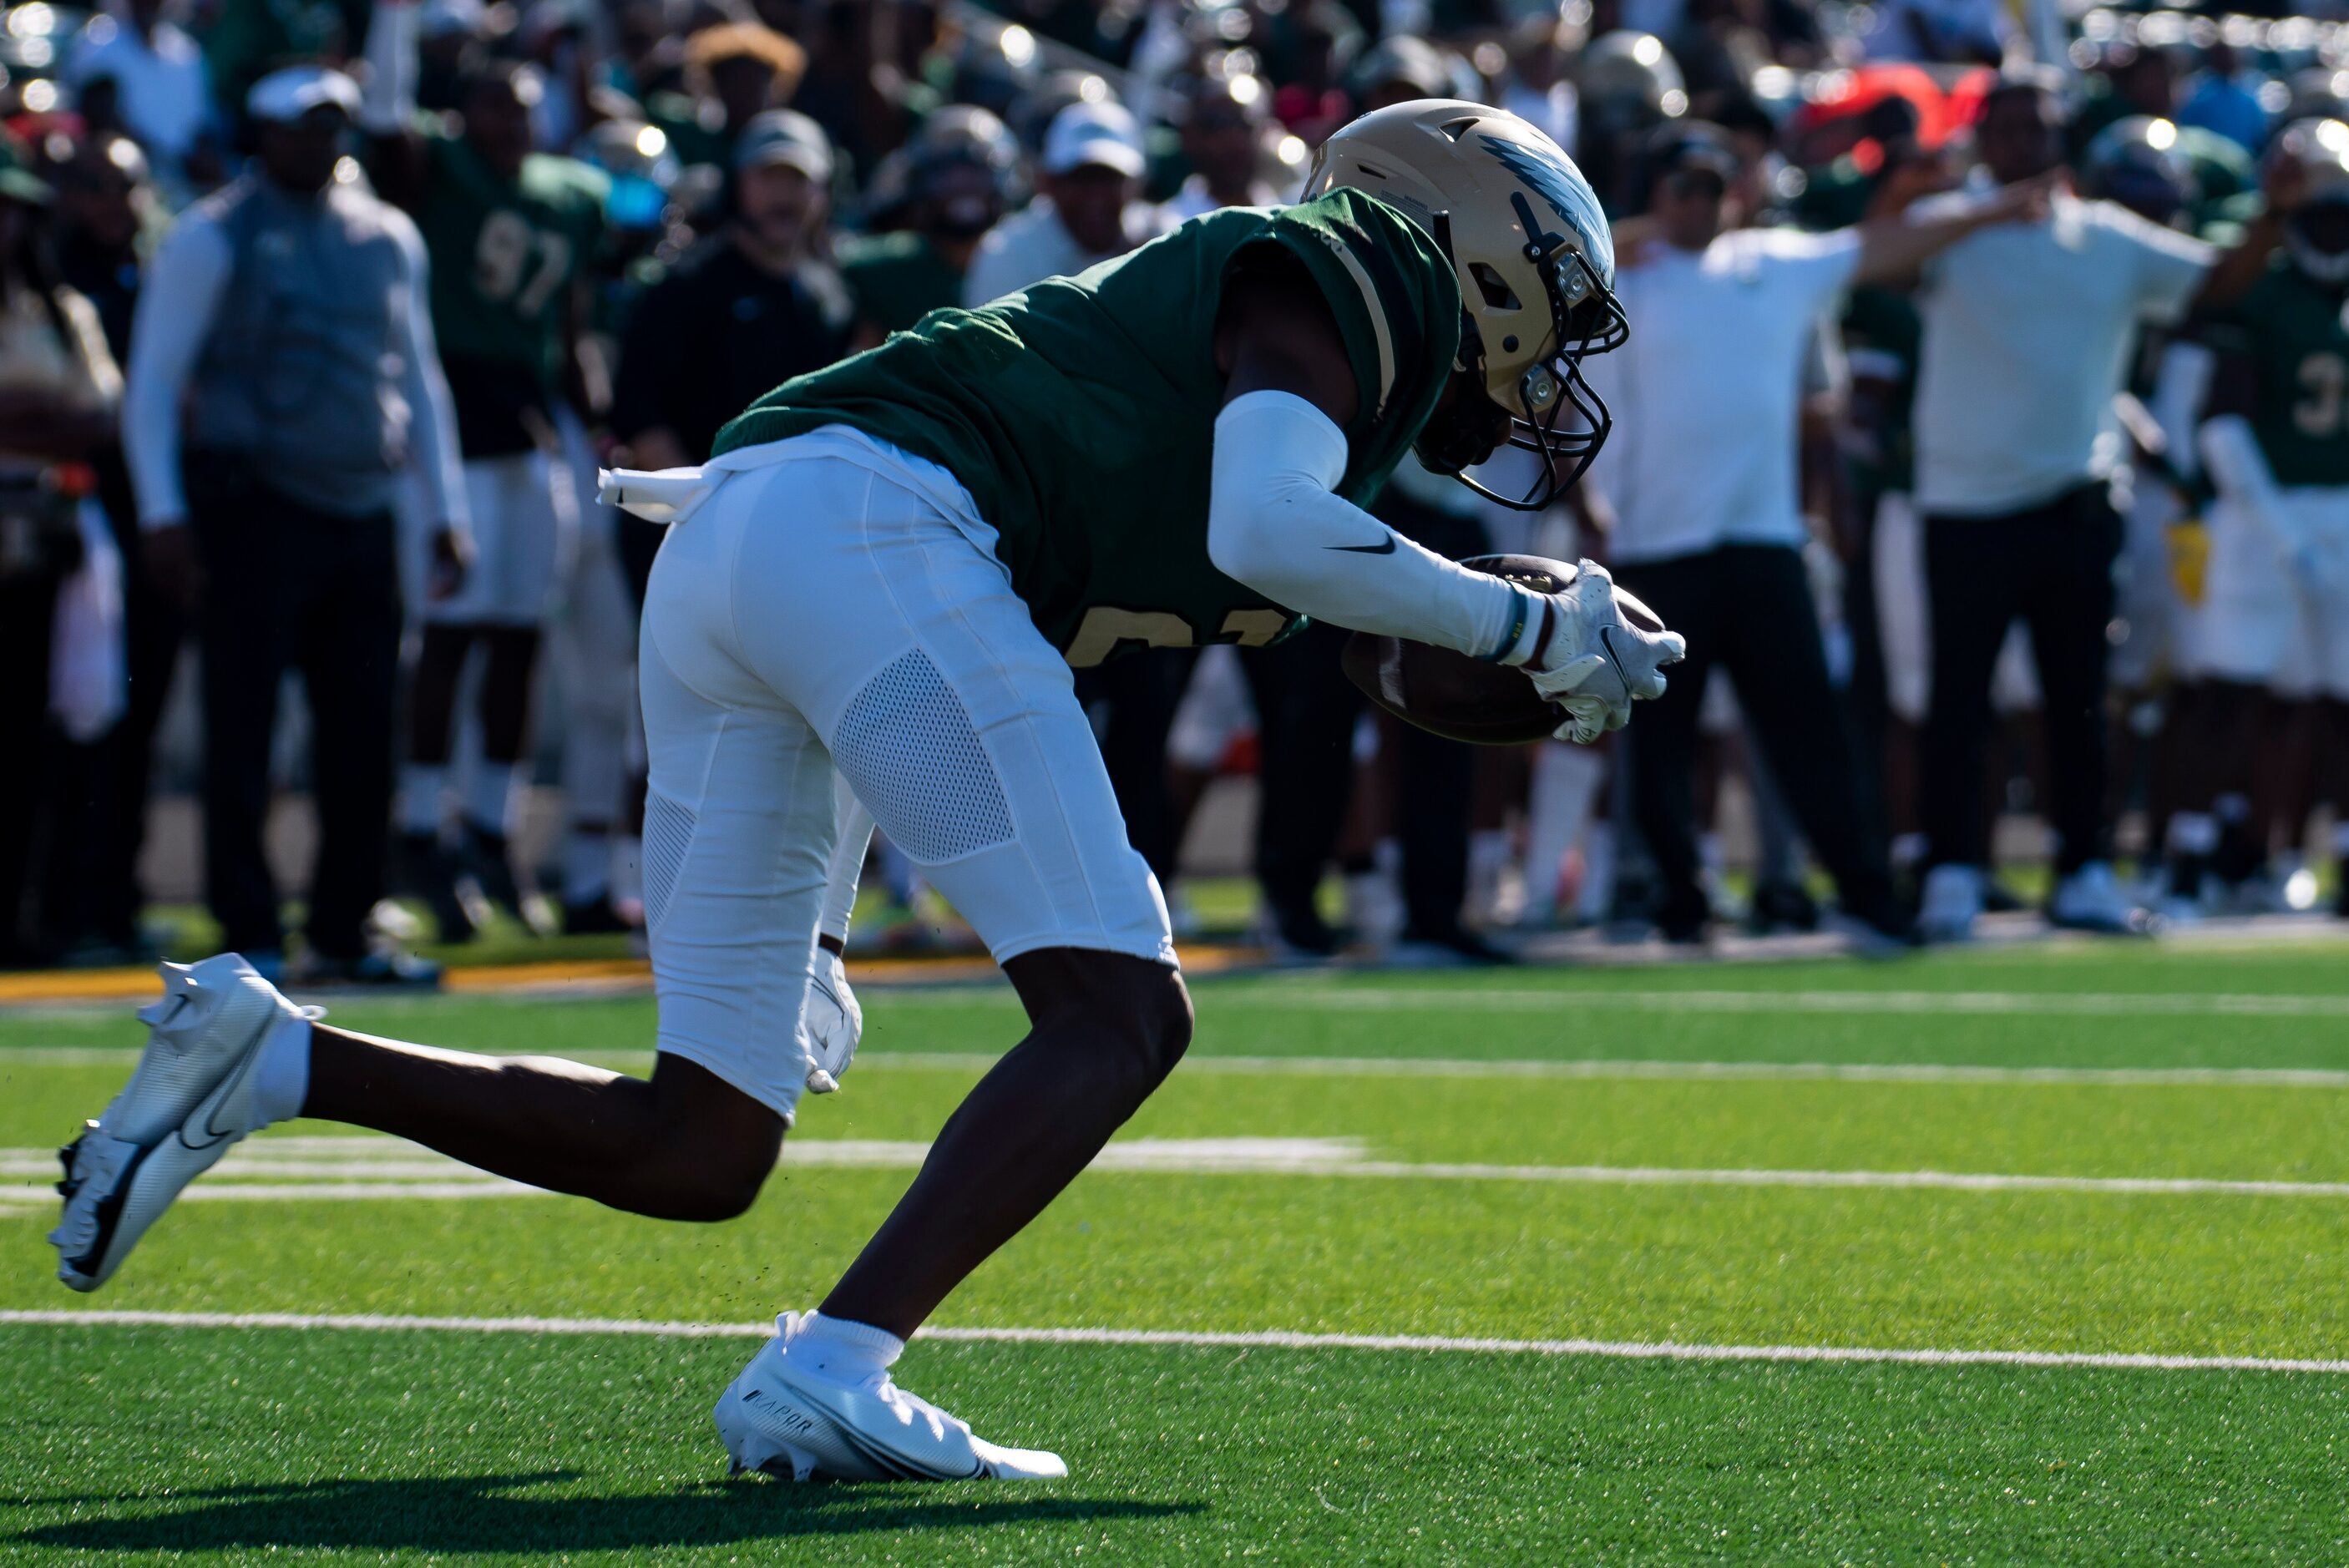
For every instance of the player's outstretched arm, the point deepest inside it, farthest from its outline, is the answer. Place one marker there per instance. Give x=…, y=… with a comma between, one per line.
x=1274, y=518
x=1274, y=522
x=387, y=104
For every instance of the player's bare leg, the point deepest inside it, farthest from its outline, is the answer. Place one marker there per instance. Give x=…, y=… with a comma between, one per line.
x=819, y=1399
x=231, y=1055
x=681, y=1145
x=1106, y=1030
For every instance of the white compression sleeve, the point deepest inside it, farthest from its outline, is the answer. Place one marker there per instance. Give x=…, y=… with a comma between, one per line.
x=174, y=315
x=388, y=101
x=1274, y=523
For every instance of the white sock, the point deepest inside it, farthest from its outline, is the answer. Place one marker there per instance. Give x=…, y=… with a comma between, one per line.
x=843, y=1351
x=281, y=1079
x=421, y=785
x=489, y=794
x=587, y=865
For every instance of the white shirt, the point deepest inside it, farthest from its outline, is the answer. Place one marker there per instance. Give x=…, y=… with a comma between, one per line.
x=1195, y=197
x=159, y=86
x=181, y=291
x=1707, y=392
x=1557, y=110
x=1033, y=244
x=2027, y=330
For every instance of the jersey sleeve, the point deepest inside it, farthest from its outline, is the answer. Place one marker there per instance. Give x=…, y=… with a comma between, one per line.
x=2168, y=267
x=1812, y=269
x=1395, y=299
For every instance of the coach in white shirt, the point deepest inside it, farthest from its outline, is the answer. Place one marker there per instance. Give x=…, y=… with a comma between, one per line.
x=1089, y=210
x=1701, y=475
x=2027, y=333
x=158, y=72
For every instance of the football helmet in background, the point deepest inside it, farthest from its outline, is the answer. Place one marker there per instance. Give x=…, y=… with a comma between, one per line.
x=2138, y=163
x=2316, y=233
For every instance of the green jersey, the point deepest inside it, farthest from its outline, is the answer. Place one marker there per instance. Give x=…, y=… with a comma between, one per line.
x=2293, y=363
x=504, y=255
x=1081, y=413
x=1883, y=335
x=897, y=279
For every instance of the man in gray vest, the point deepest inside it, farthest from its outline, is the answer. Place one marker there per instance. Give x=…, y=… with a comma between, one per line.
x=286, y=315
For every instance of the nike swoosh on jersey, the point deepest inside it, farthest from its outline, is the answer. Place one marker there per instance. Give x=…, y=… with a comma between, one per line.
x=1385, y=549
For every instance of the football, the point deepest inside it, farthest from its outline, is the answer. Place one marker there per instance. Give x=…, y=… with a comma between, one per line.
x=1459, y=697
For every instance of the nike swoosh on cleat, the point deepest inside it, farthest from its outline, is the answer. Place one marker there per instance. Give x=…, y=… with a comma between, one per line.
x=214, y=1100
x=1386, y=548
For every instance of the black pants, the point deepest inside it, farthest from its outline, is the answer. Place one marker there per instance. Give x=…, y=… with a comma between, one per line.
x=1132, y=701
x=2053, y=566
x=27, y=607
x=120, y=764
x=1747, y=609
x=291, y=587
x=1306, y=710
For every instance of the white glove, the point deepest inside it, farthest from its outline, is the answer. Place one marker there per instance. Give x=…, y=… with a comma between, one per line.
x=834, y=1023
x=1593, y=664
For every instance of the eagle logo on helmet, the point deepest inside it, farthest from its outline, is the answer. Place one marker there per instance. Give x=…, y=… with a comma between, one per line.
x=1567, y=195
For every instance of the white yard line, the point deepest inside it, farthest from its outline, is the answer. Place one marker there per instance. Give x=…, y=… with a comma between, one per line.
x=1266, y=1339
x=884, y=1060
x=371, y=1168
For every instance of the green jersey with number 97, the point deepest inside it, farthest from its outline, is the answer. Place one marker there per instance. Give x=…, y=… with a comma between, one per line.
x=504, y=255
x=2294, y=341
x=1081, y=413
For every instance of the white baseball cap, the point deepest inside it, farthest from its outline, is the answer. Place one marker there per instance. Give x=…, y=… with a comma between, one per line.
x=1088, y=135
x=286, y=95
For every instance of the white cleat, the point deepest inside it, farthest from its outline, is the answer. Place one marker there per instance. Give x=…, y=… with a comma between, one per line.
x=1952, y=902
x=2091, y=899
x=799, y=1425
x=188, y=1103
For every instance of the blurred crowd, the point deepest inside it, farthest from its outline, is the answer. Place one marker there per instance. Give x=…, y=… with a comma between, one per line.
x=317, y=317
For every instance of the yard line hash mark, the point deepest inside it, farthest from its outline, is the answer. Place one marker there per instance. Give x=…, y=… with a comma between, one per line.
x=367, y=1167
x=1264, y=1339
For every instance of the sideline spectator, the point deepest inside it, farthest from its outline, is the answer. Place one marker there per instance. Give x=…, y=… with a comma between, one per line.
x=1700, y=475
x=1089, y=208
x=960, y=170
x=105, y=206
x=161, y=93
x=288, y=315
x=2027, y=331
x=1222, y=138
x=752, y=306
x=732, y=75
x=509, y=234
x=58, y=395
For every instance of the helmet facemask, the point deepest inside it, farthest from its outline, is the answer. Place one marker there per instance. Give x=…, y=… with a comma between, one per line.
x=1584, y=318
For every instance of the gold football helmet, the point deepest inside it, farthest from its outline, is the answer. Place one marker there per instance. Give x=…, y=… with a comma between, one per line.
x=1536, y=265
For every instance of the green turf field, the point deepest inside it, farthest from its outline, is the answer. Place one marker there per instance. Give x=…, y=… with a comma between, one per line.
x=2086, y=1152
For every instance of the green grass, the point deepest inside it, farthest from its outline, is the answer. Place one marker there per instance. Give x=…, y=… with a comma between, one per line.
x=222, y=1446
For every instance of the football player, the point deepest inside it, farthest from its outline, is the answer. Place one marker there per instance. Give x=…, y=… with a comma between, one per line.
x=889, y=569
x=510, y=232
x=2275, y=609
